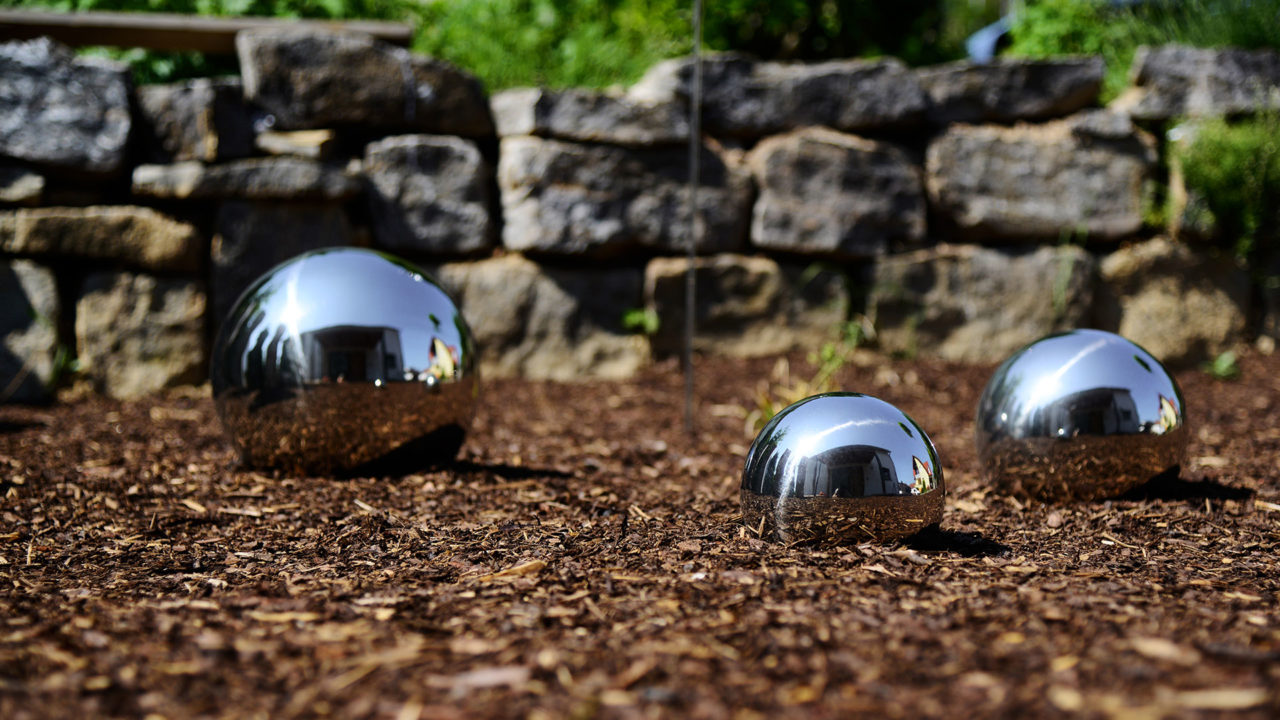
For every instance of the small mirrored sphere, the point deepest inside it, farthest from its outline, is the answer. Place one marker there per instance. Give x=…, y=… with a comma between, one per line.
x=1080, y=415
x=839, y=467
x=343, y=359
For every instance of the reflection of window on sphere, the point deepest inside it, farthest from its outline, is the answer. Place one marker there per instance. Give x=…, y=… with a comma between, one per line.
x=848, y=471
x=354, y=353
x=1097, y=411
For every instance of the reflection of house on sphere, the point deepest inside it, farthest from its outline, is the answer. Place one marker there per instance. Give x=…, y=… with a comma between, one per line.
x=1097, y=411
x=848, y=471
x=354, y=353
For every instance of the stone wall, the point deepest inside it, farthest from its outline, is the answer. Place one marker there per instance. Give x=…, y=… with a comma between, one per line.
x=964, y=209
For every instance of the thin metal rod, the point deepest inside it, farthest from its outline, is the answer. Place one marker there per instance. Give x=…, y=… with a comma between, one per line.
x=695, y=151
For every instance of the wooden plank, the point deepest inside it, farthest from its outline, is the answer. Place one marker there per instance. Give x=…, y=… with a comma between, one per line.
x=160, y=31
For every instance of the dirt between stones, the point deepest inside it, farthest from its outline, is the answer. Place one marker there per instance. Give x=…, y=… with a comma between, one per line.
x=584, y=558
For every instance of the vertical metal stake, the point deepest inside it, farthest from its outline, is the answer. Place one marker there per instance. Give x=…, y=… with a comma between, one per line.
x=695, y=150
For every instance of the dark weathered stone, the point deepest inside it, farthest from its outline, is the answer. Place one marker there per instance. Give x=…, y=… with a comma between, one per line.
x=1010, y=89
x=600, y=200
x=1176, y=80
x=430, y=194
x=586, y=116
x=138, y=334
x=308, y=79
x=749, y=99
x=1181, y=305
x=250, y=238
x=204, y=119
x=1079, y=177
x=28, y=330
x=60, y=110
x=548, y=323
x=746, y=306
x=976, y=304
x=132, y=236
x=19, y=186
x=279, y=178
x=830, y=193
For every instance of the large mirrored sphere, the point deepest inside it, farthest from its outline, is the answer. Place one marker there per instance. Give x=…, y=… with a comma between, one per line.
x=839, y=467
x=343, y=359
x=1081, y=415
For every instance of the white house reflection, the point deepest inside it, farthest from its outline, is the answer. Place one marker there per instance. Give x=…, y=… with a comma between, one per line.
x=353, y=353
x=847, y=471
x=1098, y=411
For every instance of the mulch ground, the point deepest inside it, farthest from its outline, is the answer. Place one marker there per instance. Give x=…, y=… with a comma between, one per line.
x=584, y=558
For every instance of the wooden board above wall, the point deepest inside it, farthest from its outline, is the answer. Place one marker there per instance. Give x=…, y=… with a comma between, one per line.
x=158, y=31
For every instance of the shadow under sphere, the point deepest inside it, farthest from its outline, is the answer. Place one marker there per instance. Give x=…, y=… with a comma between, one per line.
x=1080, y=415
x=340, y=357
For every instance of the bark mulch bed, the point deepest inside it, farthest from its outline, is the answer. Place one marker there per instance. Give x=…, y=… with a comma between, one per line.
x=584, y=558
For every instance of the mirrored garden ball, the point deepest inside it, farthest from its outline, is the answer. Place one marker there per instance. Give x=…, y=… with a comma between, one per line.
x=342, y=359
x=841, y=467
x=1080, y=415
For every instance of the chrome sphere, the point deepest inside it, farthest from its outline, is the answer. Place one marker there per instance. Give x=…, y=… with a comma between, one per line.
x=344, y=357
x=842, y=466
x=1081, y=415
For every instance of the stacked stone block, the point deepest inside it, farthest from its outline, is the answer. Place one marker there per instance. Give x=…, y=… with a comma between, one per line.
x=965, y=209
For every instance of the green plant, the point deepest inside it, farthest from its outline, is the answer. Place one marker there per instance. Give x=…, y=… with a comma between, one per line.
x=782, y=389
x=1048, y=28
x=1235, y=169
x=641, y=320
x=1223, y=367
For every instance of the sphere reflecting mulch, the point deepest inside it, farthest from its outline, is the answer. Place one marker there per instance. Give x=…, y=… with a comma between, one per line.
x=842, y=466
x=1080, y=415
x=344, y=357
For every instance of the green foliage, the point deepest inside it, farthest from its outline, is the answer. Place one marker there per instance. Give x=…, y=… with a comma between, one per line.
x=782, y=389
x=556, y=43
x=641, y=320
x=1047, y=28
x=1223, y=367
x=591, y=43
x=1235, y=168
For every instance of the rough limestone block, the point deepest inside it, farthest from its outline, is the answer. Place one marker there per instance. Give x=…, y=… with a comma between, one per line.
x=1011, y=89
x=277, y=178
x=744, y=98
x=824, y=192
x=599, y=200
x=60, y=110
x=309, y=79
x=133, y=236
x=587, y=116
x=548, y=323
x=976, y=304
x=1080, y=177
x=204, y=119
x=1176, y=80
x=1181, y=305
x=28, y=330
x=138, y=334
x=19, y=186
x=429, y=194
x=745, y=306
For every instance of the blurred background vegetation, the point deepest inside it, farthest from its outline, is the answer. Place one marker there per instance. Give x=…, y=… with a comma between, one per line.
x=596, y=43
